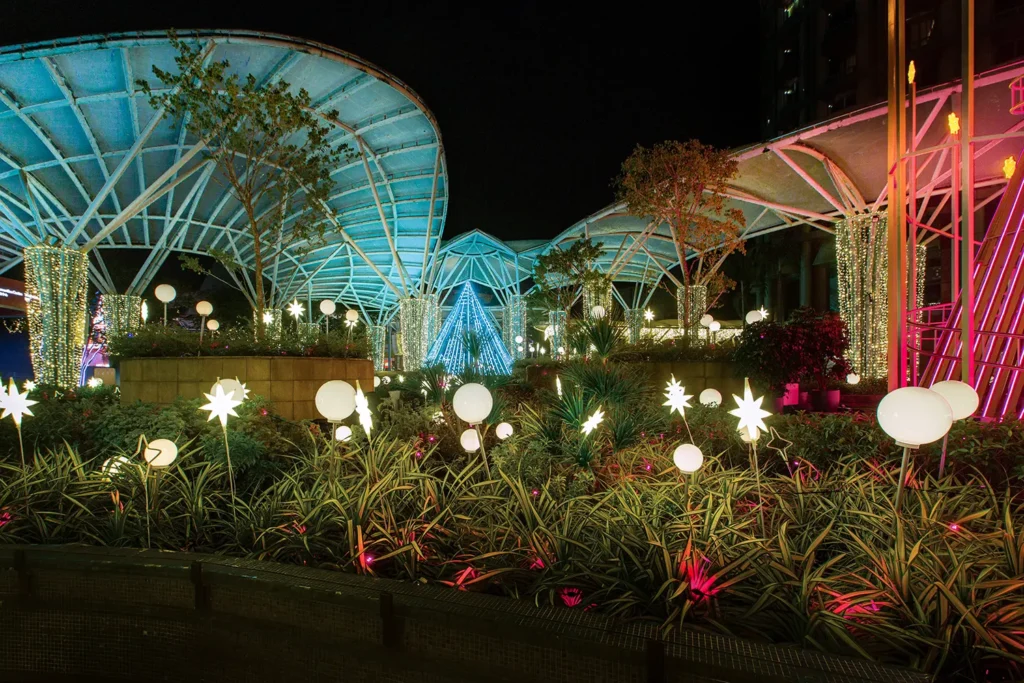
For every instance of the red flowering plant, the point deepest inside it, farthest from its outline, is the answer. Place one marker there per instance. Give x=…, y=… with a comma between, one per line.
x=820, y=341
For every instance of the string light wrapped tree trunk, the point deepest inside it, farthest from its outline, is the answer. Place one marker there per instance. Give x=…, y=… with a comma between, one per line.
x=863, y=269
x=122, y=314
x=680, y=184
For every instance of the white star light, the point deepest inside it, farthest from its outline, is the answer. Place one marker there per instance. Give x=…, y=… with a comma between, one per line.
x=363, y=410
x=749, y=411
x=29, y=385
x=592, y=422
x=296, y=309
x=94, y=382
x=268, y=317
x=764, y=313
x=558, y=385
x=221, y=405
x=678, y=400
x=648, y=315
x=15, y=404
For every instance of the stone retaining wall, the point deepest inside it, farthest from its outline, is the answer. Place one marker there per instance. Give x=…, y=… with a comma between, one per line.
x=290, y=382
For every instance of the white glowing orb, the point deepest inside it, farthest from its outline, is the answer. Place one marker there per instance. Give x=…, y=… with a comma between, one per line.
x=519, y=339
x=165, y=293
x=335, y=400
x=852, y=378
x=470, y=440
x=913, y=416
x=753, y=317
x=472, y=403
x=962, y=397
x=710, y=397
x=706, y=319
x=503, y=430
x=376, y=381
x=715, y=326
x=204, y=308
x=352, y=315
x=343, y=433
x=212, y=325
x=160, y=452
x=111, y=467
x=328, y=307
x=688, y=458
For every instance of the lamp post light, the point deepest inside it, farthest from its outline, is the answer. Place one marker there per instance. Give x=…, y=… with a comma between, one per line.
x=328, y=307
x=472, y=404
x=203, y=308
x=913, y=416
x=963, y=399
x=166, y=294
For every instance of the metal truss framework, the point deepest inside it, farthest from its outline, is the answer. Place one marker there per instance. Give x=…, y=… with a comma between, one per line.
x=85, y=160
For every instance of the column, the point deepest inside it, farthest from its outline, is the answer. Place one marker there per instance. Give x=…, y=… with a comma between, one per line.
x=416, y=319
x=377, y=336
x=634, y=318
x=556, y=321
x=513, y=325
x=56, y=283
x=863, y=267
x=122, y=313
x=691, y=304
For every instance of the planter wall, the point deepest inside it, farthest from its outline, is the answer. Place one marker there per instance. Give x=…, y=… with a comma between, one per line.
x=290, y=382
x=697, y=376
x=103, y=614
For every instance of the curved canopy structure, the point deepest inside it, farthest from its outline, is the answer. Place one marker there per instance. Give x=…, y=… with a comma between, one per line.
x=86, y=161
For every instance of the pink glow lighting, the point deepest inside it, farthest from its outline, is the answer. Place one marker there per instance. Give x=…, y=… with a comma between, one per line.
x=954, y=527
x=572, y=597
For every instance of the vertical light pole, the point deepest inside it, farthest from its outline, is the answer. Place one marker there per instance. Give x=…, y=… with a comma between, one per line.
x=896, y=242
x=967, y=188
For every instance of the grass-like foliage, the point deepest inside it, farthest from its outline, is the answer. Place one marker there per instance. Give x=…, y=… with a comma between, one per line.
x=599, y=521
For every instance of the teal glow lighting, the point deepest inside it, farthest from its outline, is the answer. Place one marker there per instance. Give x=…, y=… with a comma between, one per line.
x=469, y=315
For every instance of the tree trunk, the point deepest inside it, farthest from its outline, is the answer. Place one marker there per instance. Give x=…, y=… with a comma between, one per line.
x=257, y=256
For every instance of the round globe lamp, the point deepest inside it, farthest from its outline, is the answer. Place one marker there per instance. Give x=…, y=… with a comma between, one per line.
x=710, y=397
x=503, y=430
x=964, y=401
x=913, y=416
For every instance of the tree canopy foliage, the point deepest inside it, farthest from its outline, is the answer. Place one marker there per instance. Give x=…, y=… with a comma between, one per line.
x=270, y=148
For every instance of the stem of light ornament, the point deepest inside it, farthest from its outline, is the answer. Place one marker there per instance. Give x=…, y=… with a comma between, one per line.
x=903, y=478
x=231, y=474
x=942, y=460
x=483, y=451
x=757, y=479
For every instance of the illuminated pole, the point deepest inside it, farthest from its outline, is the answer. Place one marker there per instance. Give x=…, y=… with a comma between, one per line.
x=967, y=188
x=911, y=252
x=896, y=242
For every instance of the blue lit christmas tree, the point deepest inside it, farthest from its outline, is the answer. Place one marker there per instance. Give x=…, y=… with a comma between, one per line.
x=470, y=330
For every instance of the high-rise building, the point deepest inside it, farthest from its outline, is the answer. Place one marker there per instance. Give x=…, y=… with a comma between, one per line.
x=823, y=58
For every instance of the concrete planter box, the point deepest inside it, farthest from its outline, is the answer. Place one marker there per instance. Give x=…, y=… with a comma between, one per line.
x=697, y=376
x=290, y=382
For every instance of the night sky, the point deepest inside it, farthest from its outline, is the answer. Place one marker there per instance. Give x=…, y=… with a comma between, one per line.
x=538, y=103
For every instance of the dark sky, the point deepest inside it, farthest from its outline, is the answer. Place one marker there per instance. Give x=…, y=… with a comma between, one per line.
x=538, y=103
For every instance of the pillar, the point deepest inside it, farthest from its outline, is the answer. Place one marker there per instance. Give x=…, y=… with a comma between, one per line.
x=417, y=319
x=805, y=273
x=122, y=314
x=863, y=268
x=556, y=321
x=597, y=294
x=56, y=284
x=691, y=305
x=634, y=318
x=513, y=325
x=377, y=336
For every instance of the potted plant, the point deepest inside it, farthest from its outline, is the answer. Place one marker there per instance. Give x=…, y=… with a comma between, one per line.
x=766, y=354
x=820, y=343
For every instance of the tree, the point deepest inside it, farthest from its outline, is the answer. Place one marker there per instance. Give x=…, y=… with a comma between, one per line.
x=270, y=149
x=561, y=273
x=680, y=184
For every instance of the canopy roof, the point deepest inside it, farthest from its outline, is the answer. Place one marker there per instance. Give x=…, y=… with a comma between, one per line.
x=85, y=159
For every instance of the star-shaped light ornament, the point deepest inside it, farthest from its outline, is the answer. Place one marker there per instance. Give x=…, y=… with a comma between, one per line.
x=14, y=403
x=764, y=313
x=221, y=405
x=296, y=309
x=678, y=400
x=648, y=315
x=29, y=385
x=363, y=410
x=592, y=422
x=268, y=317
x=750, y=413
